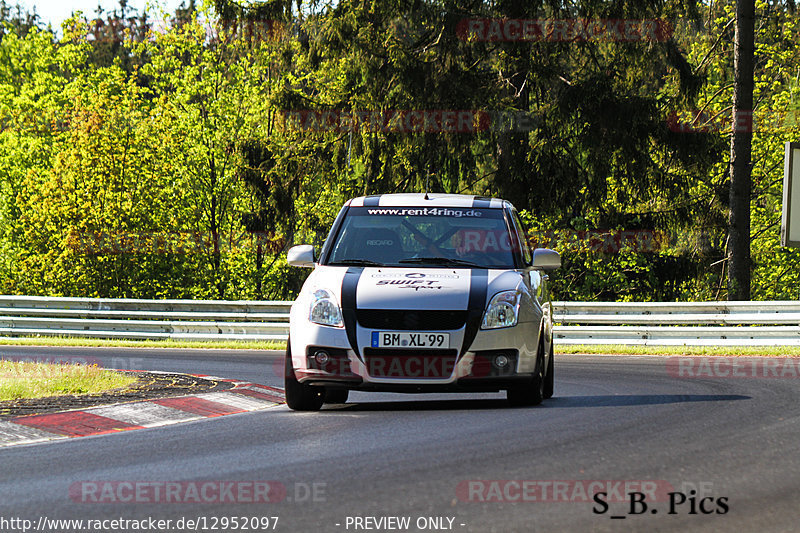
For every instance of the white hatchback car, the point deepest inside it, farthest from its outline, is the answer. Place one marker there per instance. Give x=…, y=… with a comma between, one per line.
x=422, y=293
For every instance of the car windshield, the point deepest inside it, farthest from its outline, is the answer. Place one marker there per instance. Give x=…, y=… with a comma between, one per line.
x=429, y=236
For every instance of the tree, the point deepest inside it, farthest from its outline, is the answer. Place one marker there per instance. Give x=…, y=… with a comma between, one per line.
x=216, y=100
x=188, y=131
x=33, y=73
x=19, y=19
x=91, y=222
x=741, y=141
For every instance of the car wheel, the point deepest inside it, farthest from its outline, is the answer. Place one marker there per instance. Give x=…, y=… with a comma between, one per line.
x=532, y=392
x=549, y=377
x=299, y=396
x=336, y=395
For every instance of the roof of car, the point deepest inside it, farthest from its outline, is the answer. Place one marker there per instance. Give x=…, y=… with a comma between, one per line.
x=428, y=200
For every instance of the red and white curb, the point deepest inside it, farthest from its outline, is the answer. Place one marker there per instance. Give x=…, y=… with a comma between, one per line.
x=242, y=398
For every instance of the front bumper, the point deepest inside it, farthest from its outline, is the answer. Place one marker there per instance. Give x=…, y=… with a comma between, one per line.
x=403, y=370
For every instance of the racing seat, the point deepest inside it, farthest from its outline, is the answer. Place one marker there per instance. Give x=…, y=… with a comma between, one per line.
x=380, y=245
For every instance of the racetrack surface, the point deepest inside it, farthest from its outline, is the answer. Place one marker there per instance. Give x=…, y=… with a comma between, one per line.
x=613, y=419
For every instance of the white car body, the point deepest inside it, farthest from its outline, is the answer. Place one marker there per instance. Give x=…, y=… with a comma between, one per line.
x=440, y=307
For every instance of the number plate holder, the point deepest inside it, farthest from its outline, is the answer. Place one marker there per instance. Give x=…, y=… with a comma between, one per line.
x=410, y=339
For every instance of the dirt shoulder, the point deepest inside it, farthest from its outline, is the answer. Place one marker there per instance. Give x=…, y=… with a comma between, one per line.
x=148, y=386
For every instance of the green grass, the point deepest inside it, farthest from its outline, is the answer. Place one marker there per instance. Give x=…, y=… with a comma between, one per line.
x=116, y=343
x=20, y=380
x=612, y=349
x=618, y=349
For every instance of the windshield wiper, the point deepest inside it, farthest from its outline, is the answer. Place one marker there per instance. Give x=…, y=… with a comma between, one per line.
x=356, y=262
x=440, y=261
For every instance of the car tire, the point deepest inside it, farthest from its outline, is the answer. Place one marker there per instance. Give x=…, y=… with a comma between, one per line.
x=549, y=377
x=532, y=392
x=299, y=396
x=336, y=395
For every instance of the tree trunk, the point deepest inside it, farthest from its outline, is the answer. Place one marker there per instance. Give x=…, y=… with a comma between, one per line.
x=740, y=168
x=215, y=230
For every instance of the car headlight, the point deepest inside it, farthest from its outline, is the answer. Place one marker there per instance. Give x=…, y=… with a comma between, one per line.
x=324, y=309
x=502, y=311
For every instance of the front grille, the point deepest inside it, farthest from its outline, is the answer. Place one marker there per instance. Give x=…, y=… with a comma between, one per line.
x=418, y=364
x=411, y=320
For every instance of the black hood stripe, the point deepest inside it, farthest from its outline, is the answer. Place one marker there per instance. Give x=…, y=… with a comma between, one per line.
x=478, y=286
x=372, y=201
x=349, y=287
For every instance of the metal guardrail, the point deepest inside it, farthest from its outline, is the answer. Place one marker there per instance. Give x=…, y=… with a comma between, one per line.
x=775, y=323
x=122, y=318
x=767, y=323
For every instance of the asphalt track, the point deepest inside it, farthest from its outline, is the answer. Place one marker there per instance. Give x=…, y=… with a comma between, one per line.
x=614, y=419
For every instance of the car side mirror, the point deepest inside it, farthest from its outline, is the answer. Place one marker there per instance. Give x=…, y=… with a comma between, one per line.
x=301, y=255
x=546, y=259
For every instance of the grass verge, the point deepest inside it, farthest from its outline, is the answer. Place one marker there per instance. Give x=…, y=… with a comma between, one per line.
x=610, y=349
x=20, y=380
x=116, y=343
x=735, y=351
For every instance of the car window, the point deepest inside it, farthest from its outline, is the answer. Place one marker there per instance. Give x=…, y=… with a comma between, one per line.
x=429, y=236
x=523, y=238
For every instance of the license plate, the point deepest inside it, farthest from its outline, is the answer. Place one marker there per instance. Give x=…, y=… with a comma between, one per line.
x=392, y=339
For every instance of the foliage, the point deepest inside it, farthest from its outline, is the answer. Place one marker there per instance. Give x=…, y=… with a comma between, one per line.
x=137, y=162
